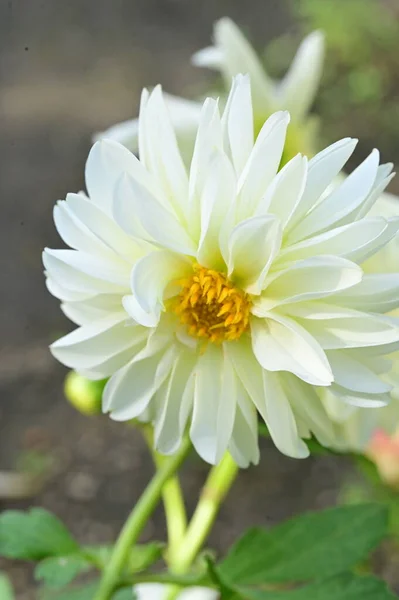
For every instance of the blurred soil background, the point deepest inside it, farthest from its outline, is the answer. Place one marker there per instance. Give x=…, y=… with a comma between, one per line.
x=68, y=69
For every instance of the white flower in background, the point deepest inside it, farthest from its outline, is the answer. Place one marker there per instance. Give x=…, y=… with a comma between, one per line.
x=159, y=591
x=232, y=54
x=233, y=289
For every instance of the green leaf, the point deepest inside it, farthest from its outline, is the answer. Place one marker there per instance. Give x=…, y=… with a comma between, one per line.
x=141, y=556
x=313, y=545
x=6, y=591
x=85, y=592
x=34, y=535
x=226, y=592
x=57, y=571
x=343, y=587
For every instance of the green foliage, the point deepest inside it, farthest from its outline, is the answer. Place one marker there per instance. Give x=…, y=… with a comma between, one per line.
x=34, y=535
x=359, y=90
x=57, y=571
x=84, y=592
x=318, y=550
x=343, y=587
x=6, y=591
x=141, y=556
x=312, y=545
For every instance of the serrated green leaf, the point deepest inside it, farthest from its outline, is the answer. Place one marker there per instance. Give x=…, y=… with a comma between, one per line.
x=34, y=535
x=6, y=591
x=312, y=545
x=343, y=587
x=57, y=571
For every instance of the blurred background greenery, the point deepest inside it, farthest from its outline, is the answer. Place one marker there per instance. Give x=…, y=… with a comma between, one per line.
x=69, y=69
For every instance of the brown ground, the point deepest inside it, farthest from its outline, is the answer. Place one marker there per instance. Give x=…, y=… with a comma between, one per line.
x=68, y=69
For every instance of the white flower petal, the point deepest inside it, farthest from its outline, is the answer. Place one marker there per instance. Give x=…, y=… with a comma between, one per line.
x=102, y=227
x=285, y=191
x=217, y=200
x=152, y=274
x=377, y=293
x=308, y=407
x=238, y=56
x=353, y=241
x=343, y=202
x=280, y=419
x=169, y=427
x=162, y=155
x=354, y=375
x=92, y=344
x=75, y=234
x=140, y=316
x=111, y=365
x=297, y=90
x=335, y=327
x=215, y=398
x=83, y=312
x=322, y=170
x=125, y=133
x=135, y=210
x=243, y=445
x=113, y=270
x=209, y=57
x=74, y=279
x=360, y=400
x=262, y=164
x=383, y=177
x=308, y=279
x=63, y=293
x=207, y=141
x=129, y=391
x=107, y=161
x=269, y=399
x=238, y=122
x=260, y=239
x=281, y=344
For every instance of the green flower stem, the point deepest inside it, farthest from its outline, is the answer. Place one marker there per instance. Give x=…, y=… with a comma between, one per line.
x=136, y=521
x=175, y=510
x=216, y=487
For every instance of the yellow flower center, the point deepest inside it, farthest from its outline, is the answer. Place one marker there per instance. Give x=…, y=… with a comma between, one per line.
x=211, y=307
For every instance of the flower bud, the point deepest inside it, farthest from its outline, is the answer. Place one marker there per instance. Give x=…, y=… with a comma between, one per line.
x=84, y=394
x=383, y=450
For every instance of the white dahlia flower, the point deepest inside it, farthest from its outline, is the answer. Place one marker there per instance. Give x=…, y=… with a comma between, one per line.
x=233, y=289
x=232, y=54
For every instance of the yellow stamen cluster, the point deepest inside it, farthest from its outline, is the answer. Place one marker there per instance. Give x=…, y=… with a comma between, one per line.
x=211, y=307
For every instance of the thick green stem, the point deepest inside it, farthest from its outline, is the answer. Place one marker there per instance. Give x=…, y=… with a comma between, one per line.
x=136, y=522
x=216, y=487
x=175, y=511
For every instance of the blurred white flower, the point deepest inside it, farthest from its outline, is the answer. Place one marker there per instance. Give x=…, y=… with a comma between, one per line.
x=231, y=289
x=159, y=591
x=232, y=54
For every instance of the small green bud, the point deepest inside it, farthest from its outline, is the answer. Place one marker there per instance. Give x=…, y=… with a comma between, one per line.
x=84, y=394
